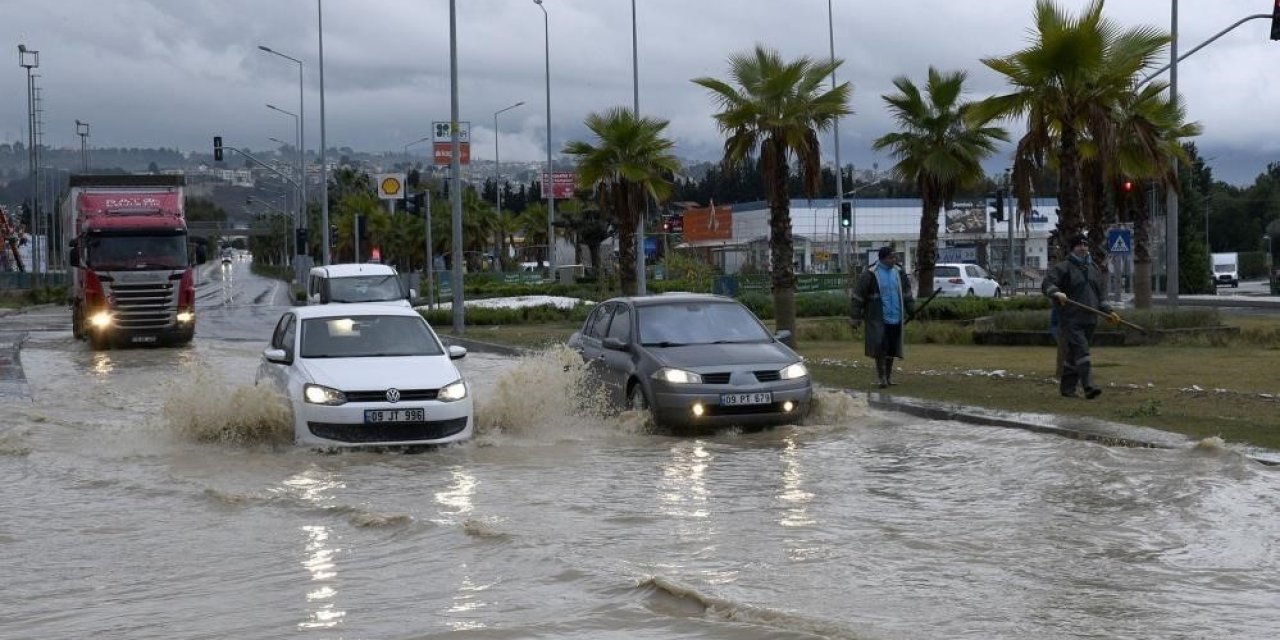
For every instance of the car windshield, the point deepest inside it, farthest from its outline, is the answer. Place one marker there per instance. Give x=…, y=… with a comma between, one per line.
x=946, y=272
x=683, y=323
x=365, y=289
x=1224, y=268
x=367, y=337
x=119, y=252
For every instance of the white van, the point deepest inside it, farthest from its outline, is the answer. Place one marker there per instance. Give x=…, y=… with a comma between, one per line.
x=356, y=283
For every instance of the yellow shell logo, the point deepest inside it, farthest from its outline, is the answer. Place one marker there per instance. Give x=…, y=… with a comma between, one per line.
x=390, y=186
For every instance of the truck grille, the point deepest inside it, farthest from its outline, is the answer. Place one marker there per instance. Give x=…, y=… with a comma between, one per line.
x=142, y=307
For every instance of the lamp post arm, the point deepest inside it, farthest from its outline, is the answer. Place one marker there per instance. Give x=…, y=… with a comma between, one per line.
x=1256, y=16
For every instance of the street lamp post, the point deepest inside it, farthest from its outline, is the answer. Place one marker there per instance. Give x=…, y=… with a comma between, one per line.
x=641, y=285
x=302, y=148
x=455, y=177
x=415, y=142
x=324, y=163
x=547, y=184
x=852, y=194
x=497, y=178
x=30, y=59
x=299, y=218
x=82, y=130
x=840, y=253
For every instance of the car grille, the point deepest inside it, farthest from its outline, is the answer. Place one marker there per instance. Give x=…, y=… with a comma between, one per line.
x=768, y=376
x=394, y=432
x=406, y=395
x=744, y=409
x=143, y=306
x=716, y=378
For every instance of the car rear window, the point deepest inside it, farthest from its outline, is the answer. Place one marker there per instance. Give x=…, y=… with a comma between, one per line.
x=946, y=272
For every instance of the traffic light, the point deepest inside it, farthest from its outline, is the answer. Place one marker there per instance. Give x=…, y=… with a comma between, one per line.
x=333, y=234
x=846, y=215
x=1128, y=184
x=1275, y=22
x=666, y=224
x=217, y=144
x=998, y=213
x=300, y=236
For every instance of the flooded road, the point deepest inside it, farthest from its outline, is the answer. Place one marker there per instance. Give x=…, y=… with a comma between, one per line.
x=149, y=494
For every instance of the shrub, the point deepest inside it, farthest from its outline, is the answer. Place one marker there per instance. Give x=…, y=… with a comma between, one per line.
x=508, y=316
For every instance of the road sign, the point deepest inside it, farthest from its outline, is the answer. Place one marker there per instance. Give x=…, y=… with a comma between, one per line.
x=1120, y=241
x=444, y=153
x=390, y=185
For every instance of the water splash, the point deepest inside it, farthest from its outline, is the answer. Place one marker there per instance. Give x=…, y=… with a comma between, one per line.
x=547, y=394
x=205, y=409
x=12, y=444
x=836, y=407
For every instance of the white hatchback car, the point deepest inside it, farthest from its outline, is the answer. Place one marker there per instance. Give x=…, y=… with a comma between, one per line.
x=958, y=280
x=360, y=375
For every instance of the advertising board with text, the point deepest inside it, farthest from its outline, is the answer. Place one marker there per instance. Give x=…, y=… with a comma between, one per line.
x=563, y=184
x=442, y=142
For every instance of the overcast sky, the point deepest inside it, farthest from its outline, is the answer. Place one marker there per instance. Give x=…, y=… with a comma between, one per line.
x=173, y=73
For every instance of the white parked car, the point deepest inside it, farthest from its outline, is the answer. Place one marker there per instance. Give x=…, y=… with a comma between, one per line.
x=958, y=280
x=359, y=375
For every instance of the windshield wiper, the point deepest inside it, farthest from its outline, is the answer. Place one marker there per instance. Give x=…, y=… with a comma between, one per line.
x=664, y=343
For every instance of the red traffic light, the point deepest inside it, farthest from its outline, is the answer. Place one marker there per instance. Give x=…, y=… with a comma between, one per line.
x=1128, y=186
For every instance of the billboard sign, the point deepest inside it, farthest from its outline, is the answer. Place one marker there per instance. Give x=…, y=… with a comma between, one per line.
x=563, y=184
x=700, y=224
x=967, y=218
x=444, y=153
x=442, y=142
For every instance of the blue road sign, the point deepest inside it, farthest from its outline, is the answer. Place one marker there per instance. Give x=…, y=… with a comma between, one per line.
x=1119, y=241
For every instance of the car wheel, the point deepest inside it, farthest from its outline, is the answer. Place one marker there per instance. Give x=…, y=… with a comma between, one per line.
x=638, y=401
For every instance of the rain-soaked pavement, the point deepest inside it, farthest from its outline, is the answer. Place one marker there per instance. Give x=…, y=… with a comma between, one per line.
x=152, y=493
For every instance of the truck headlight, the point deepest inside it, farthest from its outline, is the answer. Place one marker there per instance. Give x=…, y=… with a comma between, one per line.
x=186, y=316
x=677, y=376
x=318, y=394
x=100, y=320
x=794, y=371
x=452, y=392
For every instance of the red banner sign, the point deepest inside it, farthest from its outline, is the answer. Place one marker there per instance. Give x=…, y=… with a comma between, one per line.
x=444, y=152
x=563, y=184
x=126, y=202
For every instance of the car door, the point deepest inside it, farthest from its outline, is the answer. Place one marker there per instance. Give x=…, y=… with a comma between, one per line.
x=590, y=345
x=618, y=363
x=983, y=285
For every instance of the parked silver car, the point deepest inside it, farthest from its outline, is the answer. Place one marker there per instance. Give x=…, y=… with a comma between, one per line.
x=694, y=360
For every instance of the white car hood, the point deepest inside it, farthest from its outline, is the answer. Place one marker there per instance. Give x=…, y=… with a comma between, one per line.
x=376, y=374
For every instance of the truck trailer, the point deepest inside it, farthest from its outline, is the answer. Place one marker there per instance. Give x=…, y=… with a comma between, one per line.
x=132, y=279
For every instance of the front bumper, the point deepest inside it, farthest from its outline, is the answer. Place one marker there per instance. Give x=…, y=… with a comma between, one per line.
x=673, y=405
x=344, y=425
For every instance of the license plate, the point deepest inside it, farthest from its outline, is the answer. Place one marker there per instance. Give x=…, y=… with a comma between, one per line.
x=137, y=339
x=736, y=399
x=378, y=416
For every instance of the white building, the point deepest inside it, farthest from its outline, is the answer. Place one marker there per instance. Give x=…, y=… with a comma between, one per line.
x=966, y=233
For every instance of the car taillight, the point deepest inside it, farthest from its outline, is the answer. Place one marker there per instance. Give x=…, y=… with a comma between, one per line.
x=955, y=280
x=94, y=296
x=187, y=290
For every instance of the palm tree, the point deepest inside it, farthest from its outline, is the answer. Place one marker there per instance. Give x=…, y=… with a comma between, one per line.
x=776, y=110
x=631, y=161
x=1149, y=131
x=937, y=149
x=1066, y=84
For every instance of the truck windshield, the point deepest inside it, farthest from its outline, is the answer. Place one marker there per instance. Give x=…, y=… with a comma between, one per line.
x=136, y=252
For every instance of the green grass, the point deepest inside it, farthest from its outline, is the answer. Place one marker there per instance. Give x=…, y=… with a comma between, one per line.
x=1199, y=390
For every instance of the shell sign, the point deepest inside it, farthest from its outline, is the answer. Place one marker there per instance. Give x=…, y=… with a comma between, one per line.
x=390, y=185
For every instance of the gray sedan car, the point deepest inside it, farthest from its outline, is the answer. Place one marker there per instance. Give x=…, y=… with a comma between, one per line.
x=694, y=360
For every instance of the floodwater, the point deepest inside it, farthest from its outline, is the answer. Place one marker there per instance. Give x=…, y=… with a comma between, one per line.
x=152, y=494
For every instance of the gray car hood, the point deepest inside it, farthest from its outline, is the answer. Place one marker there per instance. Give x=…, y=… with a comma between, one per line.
x=712, y=355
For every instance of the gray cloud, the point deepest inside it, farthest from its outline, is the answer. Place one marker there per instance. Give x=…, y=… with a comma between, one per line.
x=173, y=73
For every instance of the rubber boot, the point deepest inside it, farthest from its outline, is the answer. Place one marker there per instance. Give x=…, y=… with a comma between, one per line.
x=882, y=370
x=888, y=372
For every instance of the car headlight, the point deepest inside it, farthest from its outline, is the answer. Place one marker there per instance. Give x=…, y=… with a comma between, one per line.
x=452, y=392
x=677, y=376
x=794, y=371
x=317, y=394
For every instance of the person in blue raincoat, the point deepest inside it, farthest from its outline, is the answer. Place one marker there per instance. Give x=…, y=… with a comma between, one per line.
x=882, y=301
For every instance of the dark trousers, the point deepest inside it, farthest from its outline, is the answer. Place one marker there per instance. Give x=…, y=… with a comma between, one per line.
x=890, y=339
x=1077, y=367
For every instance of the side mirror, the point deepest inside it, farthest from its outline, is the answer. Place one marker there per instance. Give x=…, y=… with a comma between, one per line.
x=456, y=352
x=278, y=356
x=615, y=344
x=782, y=336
